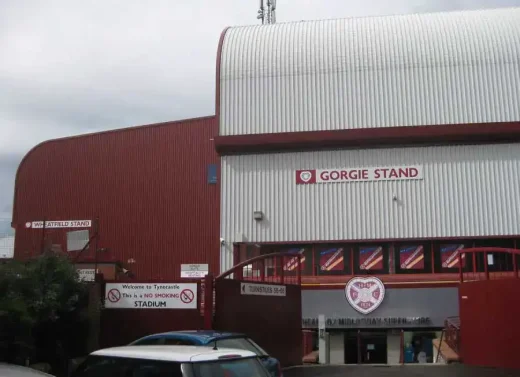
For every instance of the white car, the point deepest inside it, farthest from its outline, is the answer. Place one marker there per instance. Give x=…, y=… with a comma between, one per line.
x=171, y=361
x=10, y=370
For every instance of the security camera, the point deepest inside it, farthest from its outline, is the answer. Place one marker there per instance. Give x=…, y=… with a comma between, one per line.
x=222, y=241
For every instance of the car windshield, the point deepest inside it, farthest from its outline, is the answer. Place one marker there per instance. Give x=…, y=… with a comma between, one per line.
x=249, y=367
x=241, y=344
x=107, y=366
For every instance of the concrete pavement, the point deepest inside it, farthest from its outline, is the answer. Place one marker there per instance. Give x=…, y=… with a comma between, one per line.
x=453, y=370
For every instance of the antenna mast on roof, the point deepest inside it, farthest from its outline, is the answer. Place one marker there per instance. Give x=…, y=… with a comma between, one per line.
x=267, y=12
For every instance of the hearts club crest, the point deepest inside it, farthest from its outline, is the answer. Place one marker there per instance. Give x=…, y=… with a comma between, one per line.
x=365, y=294
x=305, y=176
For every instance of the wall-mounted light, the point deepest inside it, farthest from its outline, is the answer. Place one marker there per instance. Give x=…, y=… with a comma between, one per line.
x=258, y=215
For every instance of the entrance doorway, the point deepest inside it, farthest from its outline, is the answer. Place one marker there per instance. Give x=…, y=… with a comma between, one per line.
x=373, y=348
x=366, y=347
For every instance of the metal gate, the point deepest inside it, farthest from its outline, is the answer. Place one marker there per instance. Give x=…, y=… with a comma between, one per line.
x=261, y=298
x=488, y=296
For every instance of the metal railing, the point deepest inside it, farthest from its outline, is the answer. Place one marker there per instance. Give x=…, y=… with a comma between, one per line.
x=468, y=257
x=281, y=268
x=277, y=268
x=452, y=333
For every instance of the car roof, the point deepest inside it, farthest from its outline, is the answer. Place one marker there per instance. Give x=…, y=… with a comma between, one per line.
x=173, y=353
x=205, y=335
x=19, y=371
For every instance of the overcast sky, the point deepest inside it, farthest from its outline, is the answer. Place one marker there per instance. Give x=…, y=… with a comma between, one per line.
x=69, y=67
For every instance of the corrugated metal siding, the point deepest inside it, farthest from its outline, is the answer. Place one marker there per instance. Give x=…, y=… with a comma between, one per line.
x=421, y=69
x=6, y=247
x=148, y=185
x=466, y=191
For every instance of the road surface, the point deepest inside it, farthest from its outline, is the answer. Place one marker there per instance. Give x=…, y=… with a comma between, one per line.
x=397, y=371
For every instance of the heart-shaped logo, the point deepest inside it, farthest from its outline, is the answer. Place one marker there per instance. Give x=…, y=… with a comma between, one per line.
x=365, y=294
x=305, y=176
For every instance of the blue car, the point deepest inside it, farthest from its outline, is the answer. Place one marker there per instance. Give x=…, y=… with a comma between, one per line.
x=211, y=338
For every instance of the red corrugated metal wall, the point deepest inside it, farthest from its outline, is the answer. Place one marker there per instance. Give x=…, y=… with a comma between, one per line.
x=148, y=185
x=489, y=332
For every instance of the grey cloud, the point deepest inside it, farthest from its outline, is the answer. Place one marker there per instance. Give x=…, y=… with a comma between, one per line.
x=76, y=67
x=8, y=166
x=448, y=5
x=5, y=228
x=67, y=111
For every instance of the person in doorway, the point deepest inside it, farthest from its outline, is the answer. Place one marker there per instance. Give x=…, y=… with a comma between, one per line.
x=417, y=347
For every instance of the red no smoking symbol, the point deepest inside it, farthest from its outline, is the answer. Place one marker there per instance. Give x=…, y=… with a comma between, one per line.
x=187, y=296
x=114, y=295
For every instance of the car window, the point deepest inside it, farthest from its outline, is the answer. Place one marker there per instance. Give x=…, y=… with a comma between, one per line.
x=103, y=366
x=98, y=366
x=178, y=342
x=152, y=368
x=241, y=344
x=249, y=367
x=262, y=351
x=149, y=342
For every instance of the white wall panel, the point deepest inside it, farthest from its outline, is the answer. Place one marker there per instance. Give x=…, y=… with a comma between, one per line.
x=421, y=69
x=466, y=191
x=393, y=349
x=337, y=348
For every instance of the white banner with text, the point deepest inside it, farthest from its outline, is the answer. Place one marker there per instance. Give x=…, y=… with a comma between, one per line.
x=392, y=173
x=151, y=296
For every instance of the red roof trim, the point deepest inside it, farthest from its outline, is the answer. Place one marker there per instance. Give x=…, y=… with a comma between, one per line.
x=481, y=133
x=384, y=240
x=432, y=284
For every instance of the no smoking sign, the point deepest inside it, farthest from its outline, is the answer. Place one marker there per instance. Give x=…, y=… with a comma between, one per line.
x=114, y=295
x=187, y=296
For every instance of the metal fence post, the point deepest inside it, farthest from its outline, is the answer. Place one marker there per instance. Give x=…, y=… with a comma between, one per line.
x=282, y=272
x=208, y=301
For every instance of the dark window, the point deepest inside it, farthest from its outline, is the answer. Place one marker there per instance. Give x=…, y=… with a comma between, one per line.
x=251, y=251
x=290, y=264
x=178, y=342
x=497, y=261
x=241, y=344
x=100, y=366
x=332, y=260
x=250, y=367
x=413, y=258
x=517, y=257
x=261, y=351
x=371, y=259
x=104, y=366
x=153, y=368
x=254, y=269
x=247, y=252
x=149, y=342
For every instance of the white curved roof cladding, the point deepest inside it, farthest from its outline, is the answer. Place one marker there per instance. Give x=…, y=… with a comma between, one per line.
x=421, y=69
